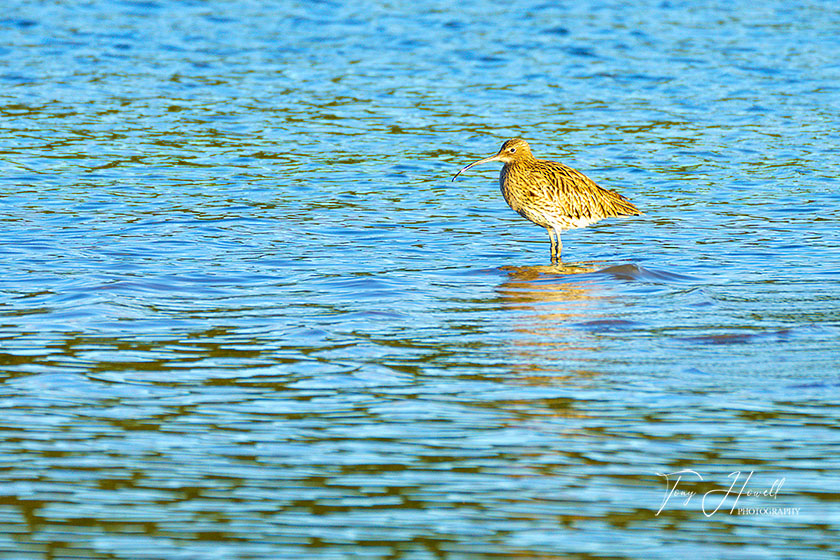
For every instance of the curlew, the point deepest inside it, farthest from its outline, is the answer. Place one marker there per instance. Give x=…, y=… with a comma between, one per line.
x=552, y=195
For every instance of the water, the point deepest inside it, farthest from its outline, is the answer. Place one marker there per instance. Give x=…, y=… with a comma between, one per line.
x=245, y=313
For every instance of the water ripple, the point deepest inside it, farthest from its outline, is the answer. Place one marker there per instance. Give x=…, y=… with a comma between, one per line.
x=245, y=313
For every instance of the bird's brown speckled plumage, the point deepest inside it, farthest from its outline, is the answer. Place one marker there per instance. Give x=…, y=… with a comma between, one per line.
x=553, y=195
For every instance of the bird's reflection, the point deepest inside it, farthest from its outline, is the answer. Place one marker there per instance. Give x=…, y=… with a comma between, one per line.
x=544, y=303
x=557, y=269
x=550, y=291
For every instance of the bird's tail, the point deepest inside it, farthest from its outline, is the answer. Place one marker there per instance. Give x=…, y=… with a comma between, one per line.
x=617, y=205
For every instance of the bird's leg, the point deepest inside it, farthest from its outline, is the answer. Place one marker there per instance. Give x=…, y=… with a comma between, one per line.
x=559, y=246
x=553, y=242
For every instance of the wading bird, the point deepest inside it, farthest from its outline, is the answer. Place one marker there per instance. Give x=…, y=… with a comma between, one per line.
x=552, y=195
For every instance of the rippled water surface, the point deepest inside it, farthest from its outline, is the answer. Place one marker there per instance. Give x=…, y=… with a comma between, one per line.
x=246, y=314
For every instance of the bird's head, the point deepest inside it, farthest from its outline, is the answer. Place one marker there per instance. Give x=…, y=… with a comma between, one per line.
x=513, y=150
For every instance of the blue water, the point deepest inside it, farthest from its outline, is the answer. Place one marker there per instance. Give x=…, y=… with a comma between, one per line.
x=244, y=313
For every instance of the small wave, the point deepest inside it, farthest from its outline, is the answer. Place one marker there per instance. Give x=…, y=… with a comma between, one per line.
x=737, y=337
x=607, y=325
x=627, y=271
x=632, y=271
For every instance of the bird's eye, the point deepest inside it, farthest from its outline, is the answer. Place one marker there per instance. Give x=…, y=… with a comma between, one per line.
x=512, y=150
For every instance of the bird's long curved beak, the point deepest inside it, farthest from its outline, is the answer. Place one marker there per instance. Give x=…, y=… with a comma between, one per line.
x=479, y=162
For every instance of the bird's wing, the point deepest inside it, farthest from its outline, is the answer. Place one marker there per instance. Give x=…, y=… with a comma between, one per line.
x=579, y=196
